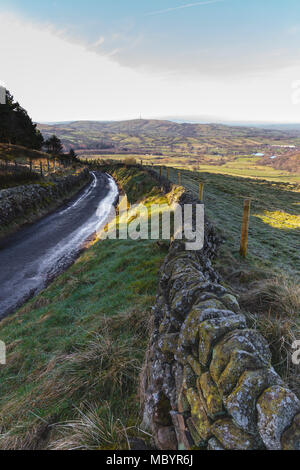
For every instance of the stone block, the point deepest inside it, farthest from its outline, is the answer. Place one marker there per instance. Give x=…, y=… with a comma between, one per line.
x=210, y=331
x=277, y=408
x=198, y=413
x=241, y=403
x=210, y=392
x=231, y=437
x=291, y=437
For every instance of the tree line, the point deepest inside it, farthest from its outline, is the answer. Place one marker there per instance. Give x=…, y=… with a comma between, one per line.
x=17, y=128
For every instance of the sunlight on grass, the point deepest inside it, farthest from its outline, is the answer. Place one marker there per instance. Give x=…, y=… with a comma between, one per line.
x=280, y=219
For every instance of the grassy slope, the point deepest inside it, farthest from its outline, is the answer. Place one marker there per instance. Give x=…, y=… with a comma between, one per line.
x=19, y=153
x=274, y=223
x=81, y=342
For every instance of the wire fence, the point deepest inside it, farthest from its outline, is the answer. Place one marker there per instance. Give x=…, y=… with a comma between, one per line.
x=253, y=213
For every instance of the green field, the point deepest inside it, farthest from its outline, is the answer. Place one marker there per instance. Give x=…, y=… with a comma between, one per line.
x=241, y=166
x=187, y=145
x=275, y=216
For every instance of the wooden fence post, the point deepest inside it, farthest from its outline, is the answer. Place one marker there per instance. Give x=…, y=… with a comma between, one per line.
x=245, y=228
x=179, y=178
x=168, y=173
x=30, y=165
x=41, y=169
x=48, y=163
x=160, y=171
x=201, y=191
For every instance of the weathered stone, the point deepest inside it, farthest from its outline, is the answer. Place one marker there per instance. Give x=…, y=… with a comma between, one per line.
x=26, y=203
x=240, y=361
x=198, y=441
x=206, y=296
x=199, y=313
x=231, y=437
x=209, y=308
x=198, y=413
x=168, y=343
x=183, y=436
x=276, y=408
x=230, y=302
x=210, y=331
x=291, y=437
x=185, y=298
x=241, y=404
x=214, y=444
x=183, y=405
x=238, y=340
x=218, y=289
x=210, y=392
x=184, y=280
x=166, y=438
x=189, y=377
x=194, y=364
x=179, y=264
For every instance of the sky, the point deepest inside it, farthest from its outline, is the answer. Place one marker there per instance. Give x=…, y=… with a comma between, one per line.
x=235, y=60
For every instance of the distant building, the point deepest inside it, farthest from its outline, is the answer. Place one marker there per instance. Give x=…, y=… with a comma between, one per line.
x=2, y=95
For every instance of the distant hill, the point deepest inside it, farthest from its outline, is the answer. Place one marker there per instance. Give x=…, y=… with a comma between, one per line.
x=159, y=135
x=189, y=143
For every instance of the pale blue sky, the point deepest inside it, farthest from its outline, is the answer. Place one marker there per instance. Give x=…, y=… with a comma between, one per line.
x=210, y=36
x=216, y=41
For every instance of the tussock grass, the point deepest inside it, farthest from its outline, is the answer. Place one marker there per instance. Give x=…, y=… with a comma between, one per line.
x=279, y=296
x=106, y=361
x=94, y=429
x=272, y=306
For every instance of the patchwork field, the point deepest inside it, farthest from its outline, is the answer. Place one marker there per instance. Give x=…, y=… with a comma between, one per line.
x=230, y=149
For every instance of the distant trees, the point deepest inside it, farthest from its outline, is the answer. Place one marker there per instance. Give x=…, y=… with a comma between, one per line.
x=16, y=127
x=72, y=157
x=53, y=146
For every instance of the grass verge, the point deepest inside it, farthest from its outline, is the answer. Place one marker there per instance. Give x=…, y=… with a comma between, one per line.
x=75, y=351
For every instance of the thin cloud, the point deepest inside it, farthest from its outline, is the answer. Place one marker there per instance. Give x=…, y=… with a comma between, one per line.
x=189, y=5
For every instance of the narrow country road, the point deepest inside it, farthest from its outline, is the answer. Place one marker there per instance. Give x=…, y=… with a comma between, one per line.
x=36, y=253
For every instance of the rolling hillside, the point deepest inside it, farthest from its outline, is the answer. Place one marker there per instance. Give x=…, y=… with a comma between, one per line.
x=192, y=144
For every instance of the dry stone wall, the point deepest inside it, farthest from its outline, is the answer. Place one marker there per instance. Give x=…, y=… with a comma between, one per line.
x=26, y=203
x=208, y=381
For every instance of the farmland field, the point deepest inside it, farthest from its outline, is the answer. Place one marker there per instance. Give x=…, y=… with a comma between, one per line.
x=233, y=150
